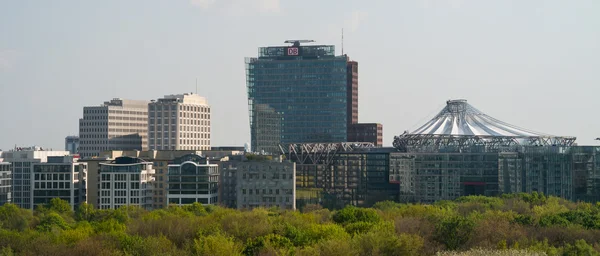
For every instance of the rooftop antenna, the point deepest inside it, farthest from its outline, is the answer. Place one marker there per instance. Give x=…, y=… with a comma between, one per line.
x=342, y=41
x=196, y=85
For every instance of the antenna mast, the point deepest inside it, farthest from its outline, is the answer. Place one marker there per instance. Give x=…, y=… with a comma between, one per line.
x=196, y=85
x=342, y=41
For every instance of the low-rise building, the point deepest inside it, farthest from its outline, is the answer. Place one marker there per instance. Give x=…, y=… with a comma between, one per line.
x=125, y=181
x=22, y=159
x=227, y=190
x=5, y=181
x=192, y=179
x=266, y=184
x=61, y=177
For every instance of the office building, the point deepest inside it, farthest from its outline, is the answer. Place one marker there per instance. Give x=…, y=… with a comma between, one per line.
x=296, y=94
x=338, y=174
x=266, y=184
x=22, y=159
x=160, y=161
x=192, y=179
x=179, y=122
x=5, y=182
x=125, y=181
x=301, y=94
x=118, y=124
x=72, y=144
x=60, y=177
x=227, y=190
x=366, y=132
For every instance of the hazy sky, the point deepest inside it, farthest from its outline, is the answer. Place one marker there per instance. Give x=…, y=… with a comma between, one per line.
x=534, y=64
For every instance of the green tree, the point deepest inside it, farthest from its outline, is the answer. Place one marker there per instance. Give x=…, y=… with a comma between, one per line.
x=580, y=248
x=454, y=231
x=351, y=214
x=59, y=206
x=216, y=245
x=51, y=221
x=14, y=218
x=85, y=212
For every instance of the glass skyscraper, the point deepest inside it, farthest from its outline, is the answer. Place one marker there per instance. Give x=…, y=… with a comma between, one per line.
x=297, y=94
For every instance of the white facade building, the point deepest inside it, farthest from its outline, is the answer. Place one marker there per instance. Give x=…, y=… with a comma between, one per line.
x=179, y=122
x=60, y=177
x=5, y=181
x=22, y=159
x=118, y=124
x=125, y=181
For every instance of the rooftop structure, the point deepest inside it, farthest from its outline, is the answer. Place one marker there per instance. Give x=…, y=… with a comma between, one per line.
x=460, y=125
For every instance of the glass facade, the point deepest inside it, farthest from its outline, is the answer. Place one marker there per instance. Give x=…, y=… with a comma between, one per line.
x=356, y=178
x=362, y=178
x=191, y=179
x=296, y=94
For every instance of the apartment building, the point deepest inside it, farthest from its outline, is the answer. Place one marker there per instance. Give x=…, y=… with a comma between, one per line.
x=60, y=177
x=179, y=122
x=125, y=181
x=118, y=124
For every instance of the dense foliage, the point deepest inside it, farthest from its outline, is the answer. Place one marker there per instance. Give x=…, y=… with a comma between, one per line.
x=523, y=224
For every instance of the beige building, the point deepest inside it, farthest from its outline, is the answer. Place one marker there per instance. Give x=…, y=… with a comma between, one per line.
x=179, y=122
x=160, y=160
x=117, y=124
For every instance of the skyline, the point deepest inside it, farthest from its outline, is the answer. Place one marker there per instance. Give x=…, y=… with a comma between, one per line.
x=531, y=64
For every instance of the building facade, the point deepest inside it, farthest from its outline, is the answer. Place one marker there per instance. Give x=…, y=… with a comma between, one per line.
x=118, y=124
x=227, y=189
x=339, y=174
x=22, y=160
x=296, y=94
x=72, y=144
x=266, y=184
x=126, y=181
x=60, y=177
x=192, y=179
x=303, y=94
x=179, y=122
x=160, y=161
x=365, y=132
x=5, y=182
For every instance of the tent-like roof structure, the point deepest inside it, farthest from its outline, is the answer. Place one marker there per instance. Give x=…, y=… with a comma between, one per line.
x=459, y=125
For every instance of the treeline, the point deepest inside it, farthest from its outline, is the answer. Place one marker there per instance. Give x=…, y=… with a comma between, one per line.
x=521, y=224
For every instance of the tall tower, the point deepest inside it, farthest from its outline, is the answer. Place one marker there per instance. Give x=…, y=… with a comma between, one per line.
x=297, y=94
x=179, y=122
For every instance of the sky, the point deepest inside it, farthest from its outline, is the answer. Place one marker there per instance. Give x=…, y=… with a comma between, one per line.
x=532, y=63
